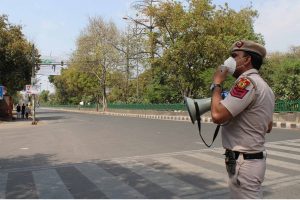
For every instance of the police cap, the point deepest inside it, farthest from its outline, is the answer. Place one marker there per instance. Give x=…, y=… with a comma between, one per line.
x=247, y=45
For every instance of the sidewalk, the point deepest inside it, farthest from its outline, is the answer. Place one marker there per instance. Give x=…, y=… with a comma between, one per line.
x=16, y=123
x=283, y=120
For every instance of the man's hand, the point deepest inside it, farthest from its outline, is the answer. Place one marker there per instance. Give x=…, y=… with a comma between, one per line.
x=220, y=75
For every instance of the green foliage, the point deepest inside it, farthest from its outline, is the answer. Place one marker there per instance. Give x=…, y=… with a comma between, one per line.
x=282, y=72
x=16, y=55
x=74, y=86
x=44, y=96
x=195, y=41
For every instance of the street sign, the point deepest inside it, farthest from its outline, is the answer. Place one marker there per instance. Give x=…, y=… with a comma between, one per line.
x=34, y=89
x=1, y=92
x=31, y=89
x=28, y=89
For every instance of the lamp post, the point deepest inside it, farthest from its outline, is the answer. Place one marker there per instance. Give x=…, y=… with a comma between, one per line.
x=150, y=28
x=32, y=84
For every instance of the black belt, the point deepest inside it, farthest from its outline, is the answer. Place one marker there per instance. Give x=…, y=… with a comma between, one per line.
x=249, y=156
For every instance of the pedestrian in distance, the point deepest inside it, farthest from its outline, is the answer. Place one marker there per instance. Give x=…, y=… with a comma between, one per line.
x=246, y=116
x=27, y=111
x=23, y=110
x=18, y=109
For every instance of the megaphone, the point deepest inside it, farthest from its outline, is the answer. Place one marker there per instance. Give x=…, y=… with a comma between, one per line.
x=197, y=107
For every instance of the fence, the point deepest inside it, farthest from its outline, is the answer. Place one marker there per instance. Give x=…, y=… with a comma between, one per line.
x=280, y=106
x=287, y=106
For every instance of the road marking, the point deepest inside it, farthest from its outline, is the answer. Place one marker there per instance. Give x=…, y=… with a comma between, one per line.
x=176, y=186
x=171, y=174
x=288, y=143
x=219, y=178
x=50, y=186
x=283, y=182
x=125, y=159
x=283, y=154
x=107, y=183
x=283, y=164
x=270, y=174
x=282, y=147
x=20, y=185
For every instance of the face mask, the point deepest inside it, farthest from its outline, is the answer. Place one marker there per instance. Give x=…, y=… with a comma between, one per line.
x=230, y=64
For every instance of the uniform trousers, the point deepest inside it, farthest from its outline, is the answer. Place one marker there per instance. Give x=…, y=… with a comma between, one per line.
x=247, y=180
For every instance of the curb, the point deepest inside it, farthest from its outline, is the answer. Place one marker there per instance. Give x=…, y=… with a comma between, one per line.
x=276, y=124
x=287, y=125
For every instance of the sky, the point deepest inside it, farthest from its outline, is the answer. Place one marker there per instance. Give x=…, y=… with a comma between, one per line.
x=54, y=25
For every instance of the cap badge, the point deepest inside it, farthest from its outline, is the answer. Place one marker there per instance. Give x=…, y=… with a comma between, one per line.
x=239, y=44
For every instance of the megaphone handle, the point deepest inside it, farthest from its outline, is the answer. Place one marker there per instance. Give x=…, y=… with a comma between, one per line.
x=215, y=134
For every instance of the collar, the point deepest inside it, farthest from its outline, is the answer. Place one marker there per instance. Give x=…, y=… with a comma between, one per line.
x=250, y=71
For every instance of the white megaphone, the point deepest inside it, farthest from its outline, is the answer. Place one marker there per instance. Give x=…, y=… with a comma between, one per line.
x=197, y=107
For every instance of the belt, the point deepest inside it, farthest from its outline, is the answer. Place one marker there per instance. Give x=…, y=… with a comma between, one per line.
x=249, y=156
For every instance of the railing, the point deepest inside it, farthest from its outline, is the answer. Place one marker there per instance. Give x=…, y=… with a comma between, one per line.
x=287, y=106
x=161, y=107
x=280, y=106
x=147, y=106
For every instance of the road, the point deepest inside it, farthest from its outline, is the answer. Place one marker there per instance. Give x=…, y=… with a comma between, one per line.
x=76, y=155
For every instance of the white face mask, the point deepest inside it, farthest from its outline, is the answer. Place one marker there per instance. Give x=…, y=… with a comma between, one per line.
x=230, y=64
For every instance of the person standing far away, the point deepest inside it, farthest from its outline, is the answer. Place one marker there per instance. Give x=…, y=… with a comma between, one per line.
x=246, y=115
x=23, y=110
x=18, y=111
x=27, y=111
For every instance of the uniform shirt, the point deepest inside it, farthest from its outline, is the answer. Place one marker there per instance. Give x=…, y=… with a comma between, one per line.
x=251, y=103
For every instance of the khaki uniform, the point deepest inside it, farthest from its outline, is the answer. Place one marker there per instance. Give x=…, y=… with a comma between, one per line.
x=251, y=103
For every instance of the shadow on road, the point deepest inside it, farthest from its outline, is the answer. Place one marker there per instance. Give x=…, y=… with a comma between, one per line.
x=35, y=160
x=51, y=118
x=21, y=183
x=147, y=187
x=44, y=111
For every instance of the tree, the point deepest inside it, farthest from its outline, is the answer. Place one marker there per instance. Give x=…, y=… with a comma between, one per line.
x=44, y=96
x=130, y=47
x=16, y=57
x=74, y=86
x=95, y=53
x=282, y=72
x=194, y=40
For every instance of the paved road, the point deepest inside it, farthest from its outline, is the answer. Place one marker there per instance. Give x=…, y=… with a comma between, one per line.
x=73, y=155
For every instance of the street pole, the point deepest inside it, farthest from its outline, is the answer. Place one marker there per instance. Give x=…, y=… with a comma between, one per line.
x=150, y=35
x=32, y=84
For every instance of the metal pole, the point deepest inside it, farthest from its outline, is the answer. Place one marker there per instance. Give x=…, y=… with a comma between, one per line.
x=32, y=84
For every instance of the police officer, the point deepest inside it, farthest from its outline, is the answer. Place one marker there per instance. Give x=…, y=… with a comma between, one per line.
x=246, y=116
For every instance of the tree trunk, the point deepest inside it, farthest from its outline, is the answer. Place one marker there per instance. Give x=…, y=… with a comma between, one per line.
x=104, y=99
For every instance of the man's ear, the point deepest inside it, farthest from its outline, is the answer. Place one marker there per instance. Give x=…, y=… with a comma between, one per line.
x=248, y=60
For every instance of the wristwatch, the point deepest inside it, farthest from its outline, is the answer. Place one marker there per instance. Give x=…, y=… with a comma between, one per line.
x=214, y=85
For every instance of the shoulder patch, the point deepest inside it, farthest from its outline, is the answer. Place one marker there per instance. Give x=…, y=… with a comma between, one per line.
x=239, y=90
x=243, y=83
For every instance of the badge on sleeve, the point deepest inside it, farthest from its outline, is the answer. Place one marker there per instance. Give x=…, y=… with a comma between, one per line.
x=239, y=90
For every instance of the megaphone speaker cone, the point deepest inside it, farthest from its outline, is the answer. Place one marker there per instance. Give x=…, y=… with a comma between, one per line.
x=197, y=107
x=190, y=105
